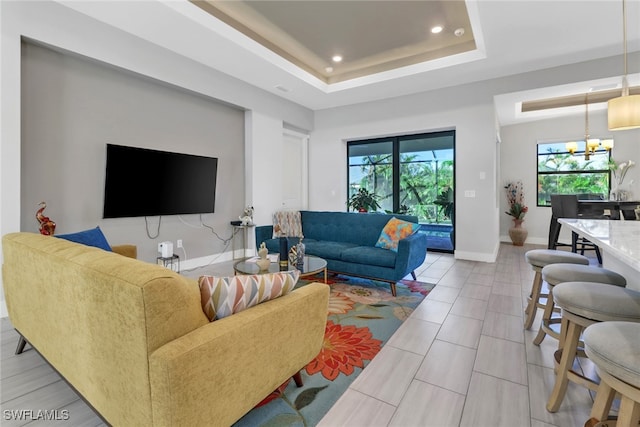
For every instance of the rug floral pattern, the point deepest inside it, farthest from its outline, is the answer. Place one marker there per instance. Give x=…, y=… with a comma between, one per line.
x=362, y=317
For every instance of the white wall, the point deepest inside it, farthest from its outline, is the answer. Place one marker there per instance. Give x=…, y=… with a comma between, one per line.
x=73, y=107
x=472, y=117
x=56, y=25
x=482, y=165
x=518, y=153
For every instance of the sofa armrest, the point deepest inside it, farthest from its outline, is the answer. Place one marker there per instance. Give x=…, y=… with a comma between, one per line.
x=412, y=251
x=130, y=251
x=220, y=371
x=263, y=233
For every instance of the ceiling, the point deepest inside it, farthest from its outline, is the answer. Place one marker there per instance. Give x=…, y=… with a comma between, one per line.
x=285, y=47
x=386, y=35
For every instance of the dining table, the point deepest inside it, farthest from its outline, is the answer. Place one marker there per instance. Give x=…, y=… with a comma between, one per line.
x=619, y=243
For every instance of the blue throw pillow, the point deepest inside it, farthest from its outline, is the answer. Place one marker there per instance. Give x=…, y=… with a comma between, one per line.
x=92, y=237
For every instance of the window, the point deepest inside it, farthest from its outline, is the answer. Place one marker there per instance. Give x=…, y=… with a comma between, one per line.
x=407, y=173
x=560, y=172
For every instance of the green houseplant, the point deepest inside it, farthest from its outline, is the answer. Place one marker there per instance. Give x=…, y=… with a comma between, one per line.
x=445, y=201
x=363, y=201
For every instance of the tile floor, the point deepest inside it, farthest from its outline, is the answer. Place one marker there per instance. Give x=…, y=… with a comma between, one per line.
x=461, y=359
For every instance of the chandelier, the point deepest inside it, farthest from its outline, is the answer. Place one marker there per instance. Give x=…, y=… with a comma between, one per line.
x=591, y=144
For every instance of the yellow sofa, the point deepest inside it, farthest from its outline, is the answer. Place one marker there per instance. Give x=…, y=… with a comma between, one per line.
x=132, y=339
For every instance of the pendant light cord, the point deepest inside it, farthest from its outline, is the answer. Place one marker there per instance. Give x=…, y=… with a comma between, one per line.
x=586, y=120
x=625, y=84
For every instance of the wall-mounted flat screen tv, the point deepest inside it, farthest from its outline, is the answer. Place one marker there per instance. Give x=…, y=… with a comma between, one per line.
x=144, y=182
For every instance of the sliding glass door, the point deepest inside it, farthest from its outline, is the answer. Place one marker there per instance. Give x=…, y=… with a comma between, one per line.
x=411, y=174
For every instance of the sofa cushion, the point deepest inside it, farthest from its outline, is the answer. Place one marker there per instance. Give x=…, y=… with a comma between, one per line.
x=327, y=249
x=92, y=237
x=362, y=229
x=370, y=256
x=395, y=230
x=224, y=296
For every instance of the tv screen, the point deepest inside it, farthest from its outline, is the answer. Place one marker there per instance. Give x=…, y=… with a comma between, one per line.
x=144, y=182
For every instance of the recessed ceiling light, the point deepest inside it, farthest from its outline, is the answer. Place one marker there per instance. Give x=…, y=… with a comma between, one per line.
x=459, y=32
x=437, y=29
x=336, y=58
x=328, y=69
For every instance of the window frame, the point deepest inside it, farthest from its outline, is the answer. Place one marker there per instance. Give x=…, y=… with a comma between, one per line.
x=579, y=152
x=396, y=163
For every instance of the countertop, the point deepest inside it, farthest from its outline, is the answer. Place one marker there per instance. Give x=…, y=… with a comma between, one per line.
x=621, y=239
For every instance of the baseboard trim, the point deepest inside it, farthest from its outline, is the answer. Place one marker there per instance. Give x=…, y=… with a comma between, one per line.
x=475, y=256
x=192, y=264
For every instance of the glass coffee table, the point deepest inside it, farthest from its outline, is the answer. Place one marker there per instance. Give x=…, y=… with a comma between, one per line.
x=312, y=265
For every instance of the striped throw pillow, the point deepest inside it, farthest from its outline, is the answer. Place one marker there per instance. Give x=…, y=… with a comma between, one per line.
x=224, y=296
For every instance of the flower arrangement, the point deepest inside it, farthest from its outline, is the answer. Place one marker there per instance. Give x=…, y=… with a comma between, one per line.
x=515, y=197
x=619, y=170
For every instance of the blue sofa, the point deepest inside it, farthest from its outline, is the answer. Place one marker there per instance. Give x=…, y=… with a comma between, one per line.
x=346, y=240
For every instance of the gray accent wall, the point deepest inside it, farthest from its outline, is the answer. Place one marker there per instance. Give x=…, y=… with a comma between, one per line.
x=73, y=106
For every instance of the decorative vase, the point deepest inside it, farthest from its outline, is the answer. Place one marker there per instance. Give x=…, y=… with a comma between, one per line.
x=300, y=248
x=263, y=262
x=518, y=233
x=293, y=255
x=263, y=251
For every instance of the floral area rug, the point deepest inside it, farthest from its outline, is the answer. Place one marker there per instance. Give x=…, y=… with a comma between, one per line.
x=363, y=315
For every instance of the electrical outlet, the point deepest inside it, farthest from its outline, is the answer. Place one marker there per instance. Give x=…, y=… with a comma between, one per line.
x=179, y=243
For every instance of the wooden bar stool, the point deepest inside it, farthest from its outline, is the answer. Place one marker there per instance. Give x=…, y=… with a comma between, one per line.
x=539, y=258
x=614, y=347
x=584, y=304
x=555, y=274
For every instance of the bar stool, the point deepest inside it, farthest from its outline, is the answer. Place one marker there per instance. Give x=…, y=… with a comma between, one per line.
x=539, y=258
x=614, y=347
x=583, y=304
x=555, y=274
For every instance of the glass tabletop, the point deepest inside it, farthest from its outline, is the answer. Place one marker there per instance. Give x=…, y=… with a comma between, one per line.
x=311, y=265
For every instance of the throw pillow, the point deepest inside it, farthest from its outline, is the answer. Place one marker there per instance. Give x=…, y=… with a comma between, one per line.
x=92, y=237
x=394, y=231
x=224, y=296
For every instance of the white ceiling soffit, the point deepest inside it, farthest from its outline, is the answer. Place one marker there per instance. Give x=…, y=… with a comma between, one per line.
x=509, y=106
x=511, y=37
x=369, y=37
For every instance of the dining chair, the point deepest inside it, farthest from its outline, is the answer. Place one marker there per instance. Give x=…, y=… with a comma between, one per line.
x=566, y=206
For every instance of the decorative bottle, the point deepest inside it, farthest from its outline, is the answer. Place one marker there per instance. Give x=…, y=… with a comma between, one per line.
x=284, y=253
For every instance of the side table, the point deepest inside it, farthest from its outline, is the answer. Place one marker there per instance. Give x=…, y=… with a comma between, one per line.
x=236, y=229
x=172, y=262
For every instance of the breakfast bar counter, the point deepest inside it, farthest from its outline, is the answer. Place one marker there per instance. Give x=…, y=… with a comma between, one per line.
x=619, y=242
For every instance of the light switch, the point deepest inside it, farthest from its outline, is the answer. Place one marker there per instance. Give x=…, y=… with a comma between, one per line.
x=483, y=175
x=469, y=193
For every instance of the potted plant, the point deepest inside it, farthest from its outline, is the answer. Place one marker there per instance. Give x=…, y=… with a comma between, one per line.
x=446, y=202
x=517, y=210
x=363, y=201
